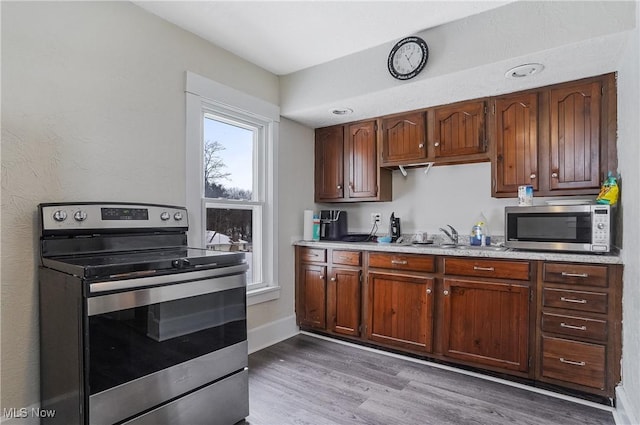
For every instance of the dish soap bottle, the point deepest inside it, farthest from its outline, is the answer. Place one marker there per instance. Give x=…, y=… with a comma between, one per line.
x=480, y=232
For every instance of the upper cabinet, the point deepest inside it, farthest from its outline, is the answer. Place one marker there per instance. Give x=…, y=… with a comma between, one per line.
x=574, y=118
x=329, y=159
x=458, y=130
x=515, y=122
x=403, y=139
x=349, y=151
x=559, y=139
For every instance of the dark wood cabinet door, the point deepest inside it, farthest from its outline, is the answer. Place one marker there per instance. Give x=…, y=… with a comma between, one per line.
x=575, y=136
x=363, y=164
x=343, y=301
x=459, y=129
x=401, y=310
x=515, y=123
x=312, y=296
x=329, y=164
x=487, y=323
x=404, y=139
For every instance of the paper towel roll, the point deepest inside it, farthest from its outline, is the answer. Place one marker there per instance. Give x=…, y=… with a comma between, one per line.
x=308, y=225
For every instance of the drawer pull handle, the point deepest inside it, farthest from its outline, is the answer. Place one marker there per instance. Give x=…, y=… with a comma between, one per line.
x=484, y=269
x=577, y=328
x=565, y=274
x=402, y=262
x=562, y=360
x=571, y=300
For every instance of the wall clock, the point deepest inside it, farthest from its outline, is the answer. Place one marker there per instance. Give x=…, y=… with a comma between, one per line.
x=407, y=58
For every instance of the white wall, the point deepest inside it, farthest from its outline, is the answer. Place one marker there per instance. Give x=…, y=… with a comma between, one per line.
x=629, y=158
x=93, y=108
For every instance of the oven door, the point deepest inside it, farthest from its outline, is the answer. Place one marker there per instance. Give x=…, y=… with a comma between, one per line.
x=150, y=345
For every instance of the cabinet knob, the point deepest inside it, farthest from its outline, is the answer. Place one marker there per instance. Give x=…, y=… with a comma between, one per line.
x=436, y=144
x=532, y=176
x=446, y=292
x=321, y=277
x=333, y=279
x=339, y=186
x=554, y=175
x=429, y=291
x=421, y=145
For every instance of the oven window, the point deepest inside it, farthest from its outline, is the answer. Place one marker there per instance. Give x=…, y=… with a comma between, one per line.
x=569, y=228
x=128, y=344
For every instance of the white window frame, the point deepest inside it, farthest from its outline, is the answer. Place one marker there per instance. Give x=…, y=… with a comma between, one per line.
x=207, y=96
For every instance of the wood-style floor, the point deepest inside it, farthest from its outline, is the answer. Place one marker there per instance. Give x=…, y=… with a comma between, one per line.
x=307, y=380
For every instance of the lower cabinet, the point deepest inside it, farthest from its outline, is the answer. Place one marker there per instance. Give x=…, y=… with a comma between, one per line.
x=312, y=296
x=401, y=310
x=555, y=323
x=343, y=301
x=486, y=323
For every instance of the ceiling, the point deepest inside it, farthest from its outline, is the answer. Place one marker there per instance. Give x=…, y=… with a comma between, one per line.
x=332, y=54
x=287, y=36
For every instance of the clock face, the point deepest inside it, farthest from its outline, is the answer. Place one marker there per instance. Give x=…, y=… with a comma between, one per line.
x=407, y=58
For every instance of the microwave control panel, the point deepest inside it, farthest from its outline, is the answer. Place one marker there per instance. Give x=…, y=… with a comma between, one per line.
x=601, y=228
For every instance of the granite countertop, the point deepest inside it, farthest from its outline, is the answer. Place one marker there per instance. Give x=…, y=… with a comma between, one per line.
x=467, y=251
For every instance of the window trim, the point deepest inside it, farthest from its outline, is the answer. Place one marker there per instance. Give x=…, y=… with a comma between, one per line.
x=203, y=94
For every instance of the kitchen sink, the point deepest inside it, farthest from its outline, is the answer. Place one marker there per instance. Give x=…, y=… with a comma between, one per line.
x=471, y=247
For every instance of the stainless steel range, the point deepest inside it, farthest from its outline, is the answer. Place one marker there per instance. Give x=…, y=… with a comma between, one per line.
x=135, y=326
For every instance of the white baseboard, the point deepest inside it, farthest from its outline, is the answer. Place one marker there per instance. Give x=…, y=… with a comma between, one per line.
x=626, y=413
x=270, y=333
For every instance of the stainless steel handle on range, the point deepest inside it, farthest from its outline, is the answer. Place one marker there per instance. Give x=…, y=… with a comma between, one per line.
x=565, y=274
x=484, y=269
x=571, y=300
x=571, y=362
x=211, y=283
x=577, y=328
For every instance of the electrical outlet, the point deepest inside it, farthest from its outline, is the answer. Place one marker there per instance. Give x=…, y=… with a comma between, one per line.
x=376, y=218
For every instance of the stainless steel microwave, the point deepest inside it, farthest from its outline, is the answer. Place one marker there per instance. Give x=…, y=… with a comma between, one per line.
x=580, y=228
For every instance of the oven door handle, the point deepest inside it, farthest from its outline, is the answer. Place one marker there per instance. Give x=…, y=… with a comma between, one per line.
x=183, y=285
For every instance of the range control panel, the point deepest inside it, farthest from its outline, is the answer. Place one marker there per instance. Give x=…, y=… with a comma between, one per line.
x=96, y=216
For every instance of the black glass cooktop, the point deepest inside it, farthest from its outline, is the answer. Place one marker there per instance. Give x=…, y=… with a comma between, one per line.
x=119, y=264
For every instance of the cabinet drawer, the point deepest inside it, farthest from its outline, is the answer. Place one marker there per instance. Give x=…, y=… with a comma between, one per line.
x=347, y=258
x=487, y=268
x=572, y=361
x=580, y=327
x=418, y=263
x=313, y=255
x=595, y=302
x=576, y=274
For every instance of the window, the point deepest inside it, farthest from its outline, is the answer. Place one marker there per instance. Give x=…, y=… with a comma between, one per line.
x=231, y=144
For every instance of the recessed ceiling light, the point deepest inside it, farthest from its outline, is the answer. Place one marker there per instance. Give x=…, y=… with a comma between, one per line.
x=341, y=111
x=526, y=70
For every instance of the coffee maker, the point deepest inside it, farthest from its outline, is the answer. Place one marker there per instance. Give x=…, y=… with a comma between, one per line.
x=333, y=224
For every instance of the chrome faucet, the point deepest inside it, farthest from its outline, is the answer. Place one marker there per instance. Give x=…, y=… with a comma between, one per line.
x=453, y=235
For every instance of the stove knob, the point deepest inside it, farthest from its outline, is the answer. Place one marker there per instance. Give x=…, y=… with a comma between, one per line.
x=164, y=216
x=60, y=216
x=80, y=215
x=180, y=263
x=178, y=216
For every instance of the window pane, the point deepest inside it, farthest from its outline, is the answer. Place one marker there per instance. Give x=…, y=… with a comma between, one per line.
x=231, y=230
x=228, y=160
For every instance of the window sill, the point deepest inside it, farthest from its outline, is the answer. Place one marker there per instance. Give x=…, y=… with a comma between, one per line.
x=262, y=295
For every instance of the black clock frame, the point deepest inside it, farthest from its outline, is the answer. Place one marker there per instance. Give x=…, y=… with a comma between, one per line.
x=421, y=65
